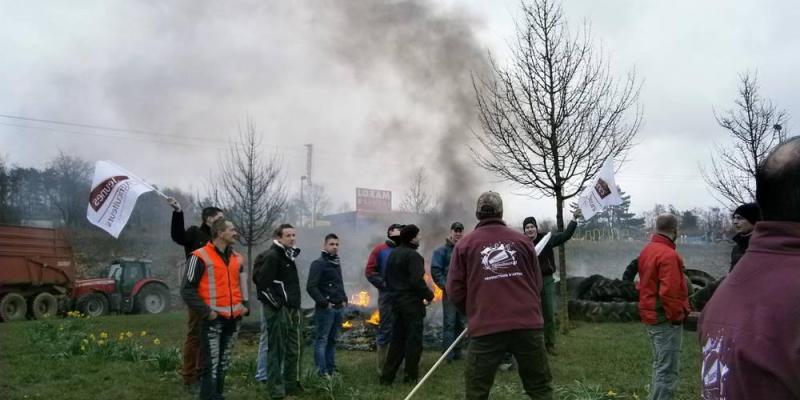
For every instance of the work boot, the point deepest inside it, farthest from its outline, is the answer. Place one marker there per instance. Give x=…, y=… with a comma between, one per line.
x=382, y=352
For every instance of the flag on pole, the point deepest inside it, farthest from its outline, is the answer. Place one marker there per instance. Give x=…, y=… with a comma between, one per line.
x=113, y=196
x=601, y=192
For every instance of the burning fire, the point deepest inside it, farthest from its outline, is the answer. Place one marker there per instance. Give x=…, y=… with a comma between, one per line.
x=360, y=299
x=347, y=324
x=437, y=293
x=375, y=318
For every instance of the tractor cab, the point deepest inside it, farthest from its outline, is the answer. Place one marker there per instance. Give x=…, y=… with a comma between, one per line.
x=127, y=272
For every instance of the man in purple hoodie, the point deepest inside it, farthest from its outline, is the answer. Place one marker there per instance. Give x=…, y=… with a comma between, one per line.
x=494, y=279
x=750, y=330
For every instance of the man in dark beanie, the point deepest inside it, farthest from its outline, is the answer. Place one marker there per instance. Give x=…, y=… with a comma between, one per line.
x=409, y=294
x=547, y=263
x=744, y=220
x=495, y=280
x=375, y=272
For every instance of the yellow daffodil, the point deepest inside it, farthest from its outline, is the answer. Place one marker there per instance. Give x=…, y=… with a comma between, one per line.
x=144, y=333
x=92, y=337
x=129, y=334
x=101, y=342
x=611, y=393
x=103, y=335
x=156, y=342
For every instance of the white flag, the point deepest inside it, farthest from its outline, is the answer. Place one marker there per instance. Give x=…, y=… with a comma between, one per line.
x=113, y=196
x=601, y=192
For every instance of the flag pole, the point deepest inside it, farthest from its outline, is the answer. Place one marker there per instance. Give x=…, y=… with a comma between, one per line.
x=439, y=361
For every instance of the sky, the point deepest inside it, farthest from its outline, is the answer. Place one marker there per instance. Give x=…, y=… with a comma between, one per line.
x=378, y=88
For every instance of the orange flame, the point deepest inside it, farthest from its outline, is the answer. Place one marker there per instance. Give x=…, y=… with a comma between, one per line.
x=347, y=324
x=437, y=293
x=375, y=318
x=360, y=299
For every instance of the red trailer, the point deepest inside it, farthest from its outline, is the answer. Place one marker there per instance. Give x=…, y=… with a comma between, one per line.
x=38, y=278
x=36, y=271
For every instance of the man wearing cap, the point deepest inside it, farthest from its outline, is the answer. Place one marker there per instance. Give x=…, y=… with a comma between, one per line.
x=405, y=279
x=547, y=263
x=495, y=280
x=376, y=274
x=453, y=320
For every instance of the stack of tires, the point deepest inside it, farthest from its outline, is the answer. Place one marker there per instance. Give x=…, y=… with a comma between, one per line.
x=599, y=299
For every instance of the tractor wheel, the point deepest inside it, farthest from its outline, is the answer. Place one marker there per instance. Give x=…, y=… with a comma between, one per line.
x=44, y=305
x=152, y=299
x=13, y=307
x=93, y=304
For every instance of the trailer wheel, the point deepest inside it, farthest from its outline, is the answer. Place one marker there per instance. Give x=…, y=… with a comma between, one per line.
x=152, y=299
x=44, y=305
x=93, y=304
x=13, y=307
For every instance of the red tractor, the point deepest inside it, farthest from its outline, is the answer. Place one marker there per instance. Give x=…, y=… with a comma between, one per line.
x=129, y=288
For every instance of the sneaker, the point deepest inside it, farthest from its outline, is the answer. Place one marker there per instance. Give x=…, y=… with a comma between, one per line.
x=507, y=367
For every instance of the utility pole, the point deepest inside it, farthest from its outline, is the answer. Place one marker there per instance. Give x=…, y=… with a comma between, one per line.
x=309, y=155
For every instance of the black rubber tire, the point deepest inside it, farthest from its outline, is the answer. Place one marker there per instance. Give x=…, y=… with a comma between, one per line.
x=44, y=305
x=585, y=285
x=699, y=279
x=93, y=305
x=153, y=298
x=13, y=307
x=612, y=290
x=604, y=311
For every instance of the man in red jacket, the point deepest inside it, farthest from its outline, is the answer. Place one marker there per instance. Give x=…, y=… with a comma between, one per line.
x=663, y=304
x=749, y=329
x=495, y=280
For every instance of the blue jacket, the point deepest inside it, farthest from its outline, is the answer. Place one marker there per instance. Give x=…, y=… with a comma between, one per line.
x=440, y=263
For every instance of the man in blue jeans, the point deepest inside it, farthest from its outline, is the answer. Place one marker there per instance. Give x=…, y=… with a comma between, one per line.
x=325, y=286
x=453, y=320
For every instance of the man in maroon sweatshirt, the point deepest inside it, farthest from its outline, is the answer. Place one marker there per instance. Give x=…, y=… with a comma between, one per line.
x=495, y=280
x=750, y=330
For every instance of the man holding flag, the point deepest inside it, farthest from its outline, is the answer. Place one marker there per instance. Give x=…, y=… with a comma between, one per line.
x=192, y=239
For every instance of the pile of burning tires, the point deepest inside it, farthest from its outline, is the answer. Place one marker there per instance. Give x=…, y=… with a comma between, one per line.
x=600, y=299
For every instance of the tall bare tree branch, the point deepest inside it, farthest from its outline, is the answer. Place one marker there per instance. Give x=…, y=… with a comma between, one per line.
x=756, y=126
x=250, y=188
x=552, y=117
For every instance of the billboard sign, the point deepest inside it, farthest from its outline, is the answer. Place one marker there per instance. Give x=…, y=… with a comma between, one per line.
x=373, y=200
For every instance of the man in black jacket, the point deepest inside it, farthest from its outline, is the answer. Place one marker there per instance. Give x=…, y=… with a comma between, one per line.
x=409, y=292
x=192, y=239
x=326, y=287
x=547, y=262
x=278, y=286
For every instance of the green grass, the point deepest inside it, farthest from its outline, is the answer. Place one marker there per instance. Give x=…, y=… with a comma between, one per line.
x=594, y=359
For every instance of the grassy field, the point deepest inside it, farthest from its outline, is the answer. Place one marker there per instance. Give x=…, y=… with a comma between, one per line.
x=44, y=360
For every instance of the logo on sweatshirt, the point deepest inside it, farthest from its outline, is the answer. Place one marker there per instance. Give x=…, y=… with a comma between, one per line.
x=498, y=257
x=714, y=370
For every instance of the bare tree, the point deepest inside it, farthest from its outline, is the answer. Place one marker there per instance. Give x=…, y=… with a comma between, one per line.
x=251, y=189
x=417, y=199
x=313, y=202
x=756, y=126
x=554, y=115
x=70, y=179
